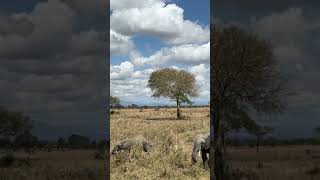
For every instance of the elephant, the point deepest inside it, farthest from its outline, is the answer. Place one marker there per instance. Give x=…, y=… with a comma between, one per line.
x=127, y=143
x=201, y=144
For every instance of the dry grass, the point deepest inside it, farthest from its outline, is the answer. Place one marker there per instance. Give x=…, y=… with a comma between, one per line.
x=55, y=165
x=172, y=139
x=276, y=163
x=170, y=156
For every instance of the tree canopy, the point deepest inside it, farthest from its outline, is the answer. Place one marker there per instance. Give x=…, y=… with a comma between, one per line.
x=114, y=101
x=177, y=85
x=13, y=123
x=244, y=76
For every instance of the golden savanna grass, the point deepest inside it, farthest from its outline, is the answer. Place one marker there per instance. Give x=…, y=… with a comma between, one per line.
x=170, y=156
x=55, y=165
x=172, y=140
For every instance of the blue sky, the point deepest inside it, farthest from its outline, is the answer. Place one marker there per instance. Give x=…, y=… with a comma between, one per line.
x=152, y=34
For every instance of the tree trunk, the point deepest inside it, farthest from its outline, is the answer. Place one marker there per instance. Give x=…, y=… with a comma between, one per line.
x=178, y=110
x=218, y=153
x=224, y=142
x=258, y=143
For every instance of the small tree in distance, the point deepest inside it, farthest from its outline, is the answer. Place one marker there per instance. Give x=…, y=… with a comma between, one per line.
x=259, y=132
x=13, y=123
x=177, y=85
x=114, y=101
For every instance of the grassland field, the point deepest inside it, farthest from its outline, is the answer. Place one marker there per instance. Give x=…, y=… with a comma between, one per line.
x=170, y=156
x=55, y=165
x=172, y=140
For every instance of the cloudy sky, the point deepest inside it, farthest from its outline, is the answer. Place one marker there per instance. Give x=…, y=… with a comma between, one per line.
x=52, y=64
x=146, y=35
x=293, y=26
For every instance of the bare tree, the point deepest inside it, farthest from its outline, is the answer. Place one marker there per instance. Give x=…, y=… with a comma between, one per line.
x=178, y=85
x=244, y=74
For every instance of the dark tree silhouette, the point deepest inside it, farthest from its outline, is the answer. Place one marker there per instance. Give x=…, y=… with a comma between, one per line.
x=27, y=141
x=244, y=73
x=13, y=123
x=77, y=141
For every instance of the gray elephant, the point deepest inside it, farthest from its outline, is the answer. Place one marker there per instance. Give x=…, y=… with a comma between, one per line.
x=201, y=144
x=127, y=143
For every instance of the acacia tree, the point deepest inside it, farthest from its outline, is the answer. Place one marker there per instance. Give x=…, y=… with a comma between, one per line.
x=259, y=132
x=244, y=73
x=178, y=85
x=13, y=123
x=114, y=101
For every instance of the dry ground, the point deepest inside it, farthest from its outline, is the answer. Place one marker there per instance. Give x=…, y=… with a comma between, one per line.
x=170, y=156
x=55, y=165
x=276, y=163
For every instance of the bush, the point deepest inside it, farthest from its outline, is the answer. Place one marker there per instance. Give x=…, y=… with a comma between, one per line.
x=99, y=155
x=7, y=160
x=114, y=112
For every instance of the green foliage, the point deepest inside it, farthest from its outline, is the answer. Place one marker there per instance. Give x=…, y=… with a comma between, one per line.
x=177, y=85
x=173, y=84
x=114, y=100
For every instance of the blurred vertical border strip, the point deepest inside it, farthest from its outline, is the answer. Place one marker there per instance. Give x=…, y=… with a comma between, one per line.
x=212, y=27
x=107, y=119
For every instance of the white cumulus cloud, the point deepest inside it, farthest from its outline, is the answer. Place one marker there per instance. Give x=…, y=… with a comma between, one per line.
x=165, y=21
x=183, y=54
